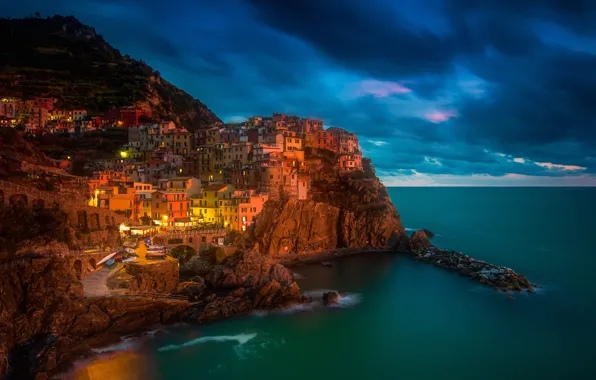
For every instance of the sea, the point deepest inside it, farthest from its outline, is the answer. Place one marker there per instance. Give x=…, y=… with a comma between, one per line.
x=401, y=319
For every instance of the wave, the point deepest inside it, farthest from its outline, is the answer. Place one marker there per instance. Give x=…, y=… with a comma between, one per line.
x=240, y=338
x=125, y=345
x=345, y=299
x=298, y=276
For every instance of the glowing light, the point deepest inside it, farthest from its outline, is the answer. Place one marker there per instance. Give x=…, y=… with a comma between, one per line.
x=68, y=157
x=123, y=154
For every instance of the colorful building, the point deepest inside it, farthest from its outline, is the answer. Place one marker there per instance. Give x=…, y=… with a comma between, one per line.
x=171, y=208
x=207, y=206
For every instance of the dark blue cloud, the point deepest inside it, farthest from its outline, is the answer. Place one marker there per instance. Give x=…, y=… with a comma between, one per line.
x=498, y=88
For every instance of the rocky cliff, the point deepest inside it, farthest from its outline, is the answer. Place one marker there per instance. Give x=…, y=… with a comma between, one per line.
x=46, y=323
x=344, y=211
x=161, y=276
x=63, y=58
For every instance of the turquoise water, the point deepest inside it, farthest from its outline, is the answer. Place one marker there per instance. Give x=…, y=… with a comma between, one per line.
x=408, y=320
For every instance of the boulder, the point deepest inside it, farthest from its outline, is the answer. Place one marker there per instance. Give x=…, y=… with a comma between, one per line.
x=428, y=233
x=191, y=289
x=159, y=277
x=248, y=269
x=330, y=298
x=419, y=241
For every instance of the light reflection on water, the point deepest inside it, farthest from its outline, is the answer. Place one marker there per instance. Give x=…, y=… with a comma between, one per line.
x=119, y=365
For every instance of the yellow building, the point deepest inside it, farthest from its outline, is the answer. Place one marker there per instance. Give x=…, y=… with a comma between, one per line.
x=208, y=206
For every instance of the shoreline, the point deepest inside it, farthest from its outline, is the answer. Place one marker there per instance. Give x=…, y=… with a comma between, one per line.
x=294, y=260
x=217, y=306
x=99, y=345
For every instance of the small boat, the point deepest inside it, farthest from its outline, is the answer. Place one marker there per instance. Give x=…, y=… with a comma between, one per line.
x=327, y=264
x=130, y=251
x=110, y=262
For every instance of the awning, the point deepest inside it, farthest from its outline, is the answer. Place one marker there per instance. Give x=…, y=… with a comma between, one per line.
x=182, y=220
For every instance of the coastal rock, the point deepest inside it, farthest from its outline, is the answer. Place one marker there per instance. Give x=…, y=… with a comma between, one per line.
x=331, y=298
x=428, y=233
x=191, y=289
x=161, y=276
x=248, y=269
x=44, y=317
x=200, y=265
x=419, y=241
x=344, y=211
x=498, y=277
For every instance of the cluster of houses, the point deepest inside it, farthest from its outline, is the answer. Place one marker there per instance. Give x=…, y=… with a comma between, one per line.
x=169, y=176
x=218, y=176
x=40, y=115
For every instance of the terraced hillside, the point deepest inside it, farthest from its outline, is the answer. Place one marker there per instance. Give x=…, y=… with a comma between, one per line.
x=63, y=58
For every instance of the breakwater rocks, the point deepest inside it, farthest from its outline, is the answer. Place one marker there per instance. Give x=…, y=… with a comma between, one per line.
x=499, y=277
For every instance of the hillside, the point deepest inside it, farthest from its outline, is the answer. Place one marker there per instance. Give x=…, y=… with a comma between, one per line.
x=63, y=58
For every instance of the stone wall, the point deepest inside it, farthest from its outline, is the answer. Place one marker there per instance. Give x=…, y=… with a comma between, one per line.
x=83, y=216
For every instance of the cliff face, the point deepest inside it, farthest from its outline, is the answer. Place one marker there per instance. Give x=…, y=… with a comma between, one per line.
x=351, y=210
x=63, y=58
x=46, y=323
x=160, y=277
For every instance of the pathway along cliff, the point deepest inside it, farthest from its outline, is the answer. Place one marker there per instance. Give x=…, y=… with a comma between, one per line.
x=46, y=322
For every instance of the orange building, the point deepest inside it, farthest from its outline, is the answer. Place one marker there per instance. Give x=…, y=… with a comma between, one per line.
x=350, y=161
x=171, y=208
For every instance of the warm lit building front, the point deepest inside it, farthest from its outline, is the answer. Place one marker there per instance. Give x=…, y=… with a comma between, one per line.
x=292, y=143
x=171, y=208
x=326, y=140
x=8, y=107
x=350, y=161
x=128, y=116
x=181, y=142
x=247, y=205
x=207, y=206
x=282, y=177
x=189, y=185
x=236, y=155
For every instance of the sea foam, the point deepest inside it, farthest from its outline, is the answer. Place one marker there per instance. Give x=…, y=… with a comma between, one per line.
x=240, y=338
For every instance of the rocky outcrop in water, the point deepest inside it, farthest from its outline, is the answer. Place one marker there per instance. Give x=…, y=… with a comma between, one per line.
x=499, y=277
x=331, y=298
x=419, y=240
x=344, y=211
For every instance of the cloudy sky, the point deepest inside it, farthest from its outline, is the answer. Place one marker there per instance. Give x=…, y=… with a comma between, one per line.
x=440, y=92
